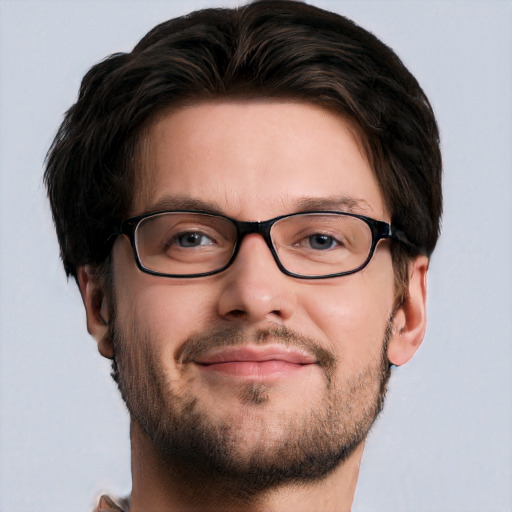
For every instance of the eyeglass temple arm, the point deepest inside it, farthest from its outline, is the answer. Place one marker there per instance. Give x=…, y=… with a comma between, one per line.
x=399, y=235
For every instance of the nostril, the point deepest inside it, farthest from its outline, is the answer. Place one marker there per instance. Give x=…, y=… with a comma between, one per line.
x=238, y=313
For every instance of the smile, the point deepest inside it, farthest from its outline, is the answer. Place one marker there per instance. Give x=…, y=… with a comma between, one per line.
x=260, y=363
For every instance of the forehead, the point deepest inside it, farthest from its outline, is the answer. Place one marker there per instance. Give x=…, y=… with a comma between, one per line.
x=254, y=160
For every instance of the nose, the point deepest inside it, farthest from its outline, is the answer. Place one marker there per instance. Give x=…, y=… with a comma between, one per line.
x=254, y=289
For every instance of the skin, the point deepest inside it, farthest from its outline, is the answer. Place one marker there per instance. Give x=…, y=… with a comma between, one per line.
x=255, y=160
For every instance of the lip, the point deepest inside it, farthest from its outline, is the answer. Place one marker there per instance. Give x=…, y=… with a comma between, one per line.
x=256, y=362
x=257, y=354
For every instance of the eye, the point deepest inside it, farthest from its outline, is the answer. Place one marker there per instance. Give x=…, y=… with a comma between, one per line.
x=321, y=242
x=191, y=239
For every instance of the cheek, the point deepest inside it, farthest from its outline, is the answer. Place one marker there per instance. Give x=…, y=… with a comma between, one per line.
x=162, y=310
x=352, y=314
x=167, y=312
x=158, y=318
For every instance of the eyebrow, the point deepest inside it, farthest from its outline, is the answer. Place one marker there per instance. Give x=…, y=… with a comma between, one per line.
x=183, y=203
x=343, y=204
x=304, y=204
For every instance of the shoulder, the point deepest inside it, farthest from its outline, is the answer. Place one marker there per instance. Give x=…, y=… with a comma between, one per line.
x=108, y=504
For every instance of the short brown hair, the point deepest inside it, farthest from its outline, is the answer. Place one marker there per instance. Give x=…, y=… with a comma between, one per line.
x=268, y=49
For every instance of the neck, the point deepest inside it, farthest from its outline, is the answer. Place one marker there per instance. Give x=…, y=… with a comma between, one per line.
x=160, y=487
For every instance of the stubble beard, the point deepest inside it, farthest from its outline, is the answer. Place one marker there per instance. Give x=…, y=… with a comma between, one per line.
x=294, y=449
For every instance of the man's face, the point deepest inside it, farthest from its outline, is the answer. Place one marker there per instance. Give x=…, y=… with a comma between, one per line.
x=251, y=371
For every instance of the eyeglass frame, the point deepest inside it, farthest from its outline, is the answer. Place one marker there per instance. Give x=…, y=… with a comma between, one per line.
x=380, y=231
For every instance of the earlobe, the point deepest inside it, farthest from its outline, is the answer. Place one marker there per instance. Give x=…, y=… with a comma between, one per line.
x=410, y=322
x=96, y=309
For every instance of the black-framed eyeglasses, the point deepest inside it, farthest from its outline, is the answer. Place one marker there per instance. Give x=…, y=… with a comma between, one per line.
x=309, y=245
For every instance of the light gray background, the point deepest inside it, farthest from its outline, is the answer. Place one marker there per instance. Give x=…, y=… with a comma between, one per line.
x=443, y=442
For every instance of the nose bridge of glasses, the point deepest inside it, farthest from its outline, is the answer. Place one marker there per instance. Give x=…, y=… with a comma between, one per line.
x=262, y=228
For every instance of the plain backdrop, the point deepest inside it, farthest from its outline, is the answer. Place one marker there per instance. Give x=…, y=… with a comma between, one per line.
x=442, y=444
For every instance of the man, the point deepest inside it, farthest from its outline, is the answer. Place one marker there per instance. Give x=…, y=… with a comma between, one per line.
x=248, y=202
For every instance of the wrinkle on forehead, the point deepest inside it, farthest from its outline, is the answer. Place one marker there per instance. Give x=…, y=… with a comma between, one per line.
x=144, y=188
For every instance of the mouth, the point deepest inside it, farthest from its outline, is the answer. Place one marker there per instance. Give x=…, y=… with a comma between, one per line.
x=256, y=362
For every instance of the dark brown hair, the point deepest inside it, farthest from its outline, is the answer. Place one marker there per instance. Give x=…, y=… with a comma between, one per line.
x=268, y=49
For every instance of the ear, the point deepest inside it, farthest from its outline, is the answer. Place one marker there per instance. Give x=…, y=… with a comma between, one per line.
x=410, y=321
x=96, y=309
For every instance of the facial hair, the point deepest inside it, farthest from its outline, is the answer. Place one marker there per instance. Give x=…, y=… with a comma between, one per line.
x=292, y=449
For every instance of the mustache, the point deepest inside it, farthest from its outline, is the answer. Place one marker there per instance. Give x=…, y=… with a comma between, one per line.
x=199, y=344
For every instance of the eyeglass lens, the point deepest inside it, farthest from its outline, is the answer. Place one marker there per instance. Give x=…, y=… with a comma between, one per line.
x=311, y=244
